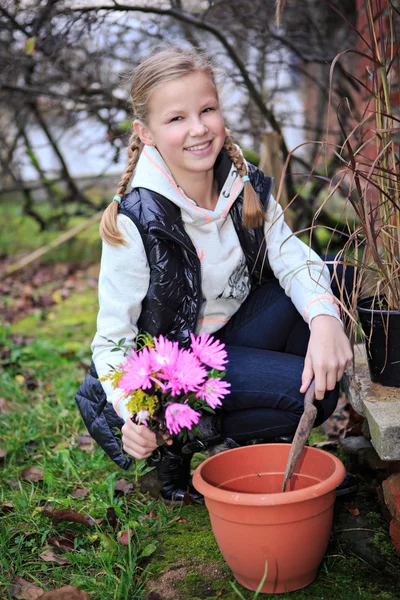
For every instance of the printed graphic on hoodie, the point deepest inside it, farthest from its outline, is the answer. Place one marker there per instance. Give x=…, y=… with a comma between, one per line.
x=238, y=286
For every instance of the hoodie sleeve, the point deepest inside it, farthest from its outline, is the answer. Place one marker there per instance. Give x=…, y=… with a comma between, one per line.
x=300, y=271
x=123, y=283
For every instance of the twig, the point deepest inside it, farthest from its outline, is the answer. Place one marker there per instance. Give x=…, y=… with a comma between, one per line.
x=44, y=249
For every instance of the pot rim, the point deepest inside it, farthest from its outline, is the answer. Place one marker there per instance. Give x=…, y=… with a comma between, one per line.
x=289, y=497
x=375, y=310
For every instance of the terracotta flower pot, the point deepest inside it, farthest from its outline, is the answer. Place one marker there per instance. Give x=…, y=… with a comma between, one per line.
x=254, y=522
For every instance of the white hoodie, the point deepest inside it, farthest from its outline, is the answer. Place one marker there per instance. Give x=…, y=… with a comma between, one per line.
x=125, y=273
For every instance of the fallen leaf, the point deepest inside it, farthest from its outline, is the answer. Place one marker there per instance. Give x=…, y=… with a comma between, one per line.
x=65, y=542
x=352, y=509
x=327, y=444
x=31, y=445
x=67, y=515
x=6, y=508
x=50, y=556
x=68, y=592
x=23, y=590
x=111, y=517
x=124, y=486
x=43, y=502
x=13, y=483
x=78, y=493
x=57, y=297
x=124, y=536
x=151, y=483
x=32, y=474
x=86, y=442
x=3, y=406
x=188, y=499
x=151, y=515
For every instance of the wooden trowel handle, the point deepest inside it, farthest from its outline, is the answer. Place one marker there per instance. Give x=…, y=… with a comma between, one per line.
x=302, y=433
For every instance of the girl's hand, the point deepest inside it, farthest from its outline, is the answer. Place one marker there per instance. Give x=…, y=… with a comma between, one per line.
x=328, y=355
x=138, y=440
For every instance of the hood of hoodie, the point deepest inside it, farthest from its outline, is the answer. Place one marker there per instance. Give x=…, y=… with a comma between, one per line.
x=153, y=174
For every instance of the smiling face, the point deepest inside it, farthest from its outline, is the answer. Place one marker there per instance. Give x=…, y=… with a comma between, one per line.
x=185, y=124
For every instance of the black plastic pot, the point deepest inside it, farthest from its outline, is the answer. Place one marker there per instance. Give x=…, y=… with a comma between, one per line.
x=382, y=341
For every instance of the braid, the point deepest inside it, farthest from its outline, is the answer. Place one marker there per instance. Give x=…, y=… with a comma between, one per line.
x=108, y=226
x=253, y=213
x=133, y=150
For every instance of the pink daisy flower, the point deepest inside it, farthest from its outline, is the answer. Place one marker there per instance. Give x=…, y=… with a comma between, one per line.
x=178, y=416
x=138, y=371
x=164, y=353
x=213, y=390
x=186, y=375
x=209, y=351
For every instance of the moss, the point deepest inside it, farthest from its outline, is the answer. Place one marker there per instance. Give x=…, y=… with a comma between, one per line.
x=317, y=435
x=66, y=324
x=384, y=545
x=190, y=538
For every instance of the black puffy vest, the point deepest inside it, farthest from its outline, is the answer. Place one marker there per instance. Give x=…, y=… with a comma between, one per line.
x=174, y=296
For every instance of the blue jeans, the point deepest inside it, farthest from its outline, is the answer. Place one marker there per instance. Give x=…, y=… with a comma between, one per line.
x=266, y=341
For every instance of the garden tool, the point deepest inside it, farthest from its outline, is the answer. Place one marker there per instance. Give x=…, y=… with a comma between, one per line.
x=302, y=433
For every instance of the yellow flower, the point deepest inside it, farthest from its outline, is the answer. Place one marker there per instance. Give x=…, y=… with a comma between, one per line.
x=114, y=377
x=139, y=400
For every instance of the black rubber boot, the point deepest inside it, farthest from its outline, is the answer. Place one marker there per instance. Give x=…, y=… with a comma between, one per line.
x=173, y=470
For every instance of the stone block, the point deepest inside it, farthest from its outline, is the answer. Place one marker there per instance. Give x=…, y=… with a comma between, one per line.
x=391, y=494
x=380, y=405
x=355, y=444
x=394, y=530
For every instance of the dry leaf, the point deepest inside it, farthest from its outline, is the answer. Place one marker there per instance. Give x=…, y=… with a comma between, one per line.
x=65, y=542
x=50, y=556
x=78, y=493
x=23, y=590
x=32, y=474
x=124, y=486
x=124, y=537
x=188, y=499
x=352, y=509
x=67, y=515
x=6, y=508
x=327, y=444
x=13, y=483
x=111, y=517
x=85, y=442
x=143, y=518
x=31, y=445
x=3, y=406
x=68, y=592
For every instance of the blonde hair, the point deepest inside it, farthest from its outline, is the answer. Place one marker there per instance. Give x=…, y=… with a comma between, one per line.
x=165, y=64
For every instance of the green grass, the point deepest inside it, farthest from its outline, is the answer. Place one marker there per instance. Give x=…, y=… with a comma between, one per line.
x=38, y=384
x=172, y=551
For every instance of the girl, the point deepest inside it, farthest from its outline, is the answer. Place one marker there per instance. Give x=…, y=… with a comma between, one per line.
x=199, y=245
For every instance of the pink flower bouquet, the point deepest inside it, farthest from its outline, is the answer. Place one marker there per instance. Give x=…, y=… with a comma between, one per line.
x=166, y=387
